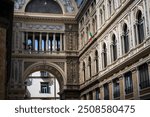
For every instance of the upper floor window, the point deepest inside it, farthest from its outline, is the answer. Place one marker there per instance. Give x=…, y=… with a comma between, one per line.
x=101, y=16
x=94, y=25
x=84, y=72
x=144, y=76
x=104, y=55
x=90, y=68
x=140, y=27
x=104, y=13
x=96, y=61
x=110, y=7
x=125, y=39
x=44, y=74
x=45, y=87
x=114, y=48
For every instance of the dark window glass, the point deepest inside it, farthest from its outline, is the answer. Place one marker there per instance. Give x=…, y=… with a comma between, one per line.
x=116, y=88
x=97, y=94
x=90, y=67
x=144, y=76
x=114, y=47
x=126, y=39
x=45, y=87
x=96, y=61
x=128, y=83
x=106, y=92
x=140, y=27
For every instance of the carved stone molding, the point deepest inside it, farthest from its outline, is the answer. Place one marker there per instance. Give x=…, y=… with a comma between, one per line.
x=72, y=71
x=72, y=41
x=61, y=65
x=27, y=64
x=28, y=26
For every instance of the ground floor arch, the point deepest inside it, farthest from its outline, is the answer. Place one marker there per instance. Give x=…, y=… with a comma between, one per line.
x=40, y=76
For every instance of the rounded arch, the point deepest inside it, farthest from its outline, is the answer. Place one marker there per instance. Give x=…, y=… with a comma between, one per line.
x=43, y=6
x=139, y=9
x=49, y=67
x=104, y=46
x=113, y=38
x=125, y=27
x=139, y=15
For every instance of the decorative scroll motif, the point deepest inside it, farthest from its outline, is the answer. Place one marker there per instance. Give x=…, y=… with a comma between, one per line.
x=72, y=71
x=19, y=25
x=68, y=5
x=61, y=65
x=71, y=38
x=19, y=4
x=27, y=64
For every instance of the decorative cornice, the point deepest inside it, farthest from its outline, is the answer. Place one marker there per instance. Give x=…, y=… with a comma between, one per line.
x=44, y=17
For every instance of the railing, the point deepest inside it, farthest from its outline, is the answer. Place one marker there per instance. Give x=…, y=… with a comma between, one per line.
x=40, y=51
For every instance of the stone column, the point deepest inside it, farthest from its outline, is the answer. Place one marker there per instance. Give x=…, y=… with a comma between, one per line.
x=94, y=95
x=149, y=66
x=61, y=42
x=135, y=84
x=47, y=44
x=23, y=38
x=122, y=90
x=110, y=90
x=102, y=92
x=87, y=96
x=64, y=39
x=54, y=42
x=33, y=41
x=40, y=42
x=26, y=40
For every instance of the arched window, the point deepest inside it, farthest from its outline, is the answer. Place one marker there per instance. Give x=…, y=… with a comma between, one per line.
x=109, y=7
x=93, y=25
x=101, y=16
x=44, y=6
x=104, y=13
x=125, y=39
x=140, y=27
x=104, y=56
x=84, y=72
x=96, y=61
x=114, y=48
x=89, y=62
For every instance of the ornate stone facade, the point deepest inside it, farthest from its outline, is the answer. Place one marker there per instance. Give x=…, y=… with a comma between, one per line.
x=98, y=51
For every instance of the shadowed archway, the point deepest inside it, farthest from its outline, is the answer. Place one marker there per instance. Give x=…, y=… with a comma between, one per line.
x=49, y=67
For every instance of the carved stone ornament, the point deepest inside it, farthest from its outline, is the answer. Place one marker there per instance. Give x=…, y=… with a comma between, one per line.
x=68, y=5
x=19, y=4
x=43, y=27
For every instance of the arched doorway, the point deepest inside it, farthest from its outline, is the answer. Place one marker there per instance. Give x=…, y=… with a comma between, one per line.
x=42, y=85
x=43, y=81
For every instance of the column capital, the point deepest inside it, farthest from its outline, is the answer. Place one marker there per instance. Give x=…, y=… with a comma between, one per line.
x=120, y=76
x=109, y=82
x=134, y=69
x=148, y=62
